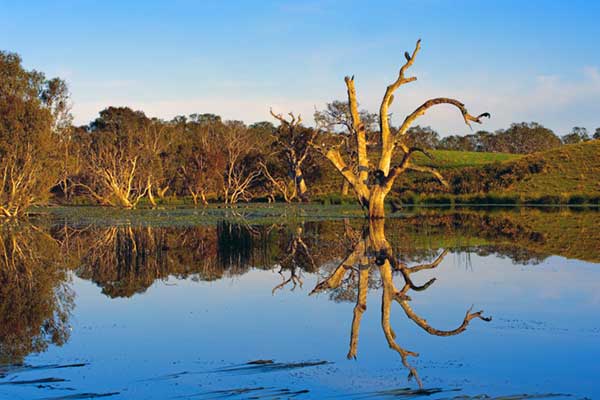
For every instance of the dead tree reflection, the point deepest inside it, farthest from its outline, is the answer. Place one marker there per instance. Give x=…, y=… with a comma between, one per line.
x=297, y=258
x=373, y=249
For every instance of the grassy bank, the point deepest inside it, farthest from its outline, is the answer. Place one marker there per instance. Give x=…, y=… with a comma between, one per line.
x=566, y=175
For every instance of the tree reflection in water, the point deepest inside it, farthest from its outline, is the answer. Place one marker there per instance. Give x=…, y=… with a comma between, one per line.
x=297, y=257
x=35, y=299
x=36, y=302
x=374, y=249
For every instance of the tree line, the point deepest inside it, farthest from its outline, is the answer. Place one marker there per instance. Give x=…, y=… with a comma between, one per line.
x=123, y=157
x=519, y=138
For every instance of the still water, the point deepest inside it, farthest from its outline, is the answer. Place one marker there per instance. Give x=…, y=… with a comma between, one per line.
x=446, y=304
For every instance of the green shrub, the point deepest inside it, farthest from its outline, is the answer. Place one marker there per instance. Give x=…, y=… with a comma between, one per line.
x=438, y=200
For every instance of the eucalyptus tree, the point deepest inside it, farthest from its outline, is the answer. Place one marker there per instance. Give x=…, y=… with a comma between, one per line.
x=371, y=185
x=242, y=170
x=292, y=141
x=126, y=158
x=201, y=161
x=577, y=135
x=29, y=116
x=336, y=119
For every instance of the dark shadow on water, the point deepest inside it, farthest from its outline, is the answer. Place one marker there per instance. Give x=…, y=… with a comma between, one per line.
x=267, y=366
x=257, y=393
x=81, y=396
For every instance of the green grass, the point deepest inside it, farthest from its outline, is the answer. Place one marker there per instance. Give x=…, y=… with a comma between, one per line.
x=570, y=175
x=570, y=169
x=331, y=180
x=459, y=159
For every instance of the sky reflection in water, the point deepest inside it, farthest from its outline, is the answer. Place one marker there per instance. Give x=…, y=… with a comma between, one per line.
x=179, y=312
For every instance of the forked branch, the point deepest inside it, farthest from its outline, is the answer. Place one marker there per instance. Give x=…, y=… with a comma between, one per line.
x=335, y=278
x=387, y=141
x=293, y=122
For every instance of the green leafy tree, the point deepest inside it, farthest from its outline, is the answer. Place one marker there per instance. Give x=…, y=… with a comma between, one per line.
x=422, y=137
x=525, y=138
x=460, y=143
x=577, y=135
x=201, y=161
x=32, y=111
x=119, y=169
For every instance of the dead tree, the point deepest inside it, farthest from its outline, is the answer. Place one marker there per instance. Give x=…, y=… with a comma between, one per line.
x=335, y=119
x=117, y=180
x=279, y=185
x=372, y=185
x=294, y=141
x=241, y=172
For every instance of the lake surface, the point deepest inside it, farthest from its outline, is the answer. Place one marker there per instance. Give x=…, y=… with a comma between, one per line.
x=193, y=304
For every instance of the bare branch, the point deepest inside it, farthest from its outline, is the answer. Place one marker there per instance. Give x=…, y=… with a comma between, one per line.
x=432, y=265
x=387, y=143
x=293, y=122
x=421, y=322
x=335, y=279
x=431, y=170
x=359, y=130
x=468, y=118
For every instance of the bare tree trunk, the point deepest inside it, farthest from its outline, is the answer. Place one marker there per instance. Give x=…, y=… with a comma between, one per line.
x=161, y=192
x=195, y=198
x=151, y=196
x=66, y=174
x=360, y=307
x=345, y=187
x=377, y=202
x=371, y=195
x=300, y=184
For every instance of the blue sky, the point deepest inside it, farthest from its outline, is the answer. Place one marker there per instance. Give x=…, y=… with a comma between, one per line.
x=521, y=61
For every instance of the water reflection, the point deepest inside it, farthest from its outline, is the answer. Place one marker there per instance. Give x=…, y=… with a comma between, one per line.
x=35, y=299
x=373, y=249
x=351, y=259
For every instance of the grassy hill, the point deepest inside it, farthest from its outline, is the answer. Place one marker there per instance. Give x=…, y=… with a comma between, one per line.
x=568, y=169
x=331, y=181
x=568, y=174
x=444, y=159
